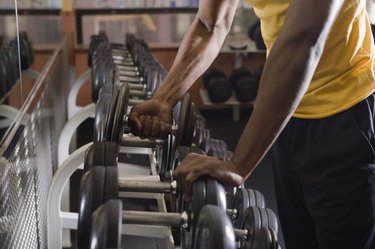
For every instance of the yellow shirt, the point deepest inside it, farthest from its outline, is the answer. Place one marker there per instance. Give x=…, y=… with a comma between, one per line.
x=346, y=72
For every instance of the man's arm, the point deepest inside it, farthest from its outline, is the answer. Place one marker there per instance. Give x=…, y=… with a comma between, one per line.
x=287, y=74
x=198, y=49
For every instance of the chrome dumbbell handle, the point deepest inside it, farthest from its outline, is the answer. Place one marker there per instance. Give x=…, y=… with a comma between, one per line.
x=155, y=218
x=147, y=186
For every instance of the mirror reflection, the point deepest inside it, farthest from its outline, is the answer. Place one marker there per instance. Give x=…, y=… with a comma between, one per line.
x=10, y=75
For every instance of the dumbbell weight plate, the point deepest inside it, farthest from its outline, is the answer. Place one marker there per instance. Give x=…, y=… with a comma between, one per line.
x=262, y=239
x=101, y=153
x=106, y=229
x=91, y=197
x=252, y=223
x=182, y=138
x=189, y=130
x=241, y=201
x=120, y=112
x=272, y=220
x=215, y=194
x=102, y=111
x=213, y=230
x=260, y=200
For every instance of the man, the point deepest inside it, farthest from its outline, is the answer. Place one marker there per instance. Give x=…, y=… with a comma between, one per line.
x=320, y=69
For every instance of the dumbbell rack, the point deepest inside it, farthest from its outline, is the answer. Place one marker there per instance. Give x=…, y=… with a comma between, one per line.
x=232, y=101
x=230, y=46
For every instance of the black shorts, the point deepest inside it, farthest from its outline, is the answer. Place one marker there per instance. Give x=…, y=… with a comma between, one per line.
x=324, y=172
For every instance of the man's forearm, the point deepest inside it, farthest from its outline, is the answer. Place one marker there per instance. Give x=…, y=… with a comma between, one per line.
x=197, y=51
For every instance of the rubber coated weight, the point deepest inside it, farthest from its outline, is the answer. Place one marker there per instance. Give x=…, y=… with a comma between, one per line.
x=102, y=111
x=244, y=85
x=106, y=231
x=121, y=108
x=260, y=200
x=218, y=87
x=102, y=73
x=272, y=220
x=101, y=153
x=182, y=138
x=187, y=139
x=111, y=185
x=91, y=197
x=213, y=230
x=262, y=239
x=240, y=202
x=215, y=193
x=166, y=158
x=252, y=223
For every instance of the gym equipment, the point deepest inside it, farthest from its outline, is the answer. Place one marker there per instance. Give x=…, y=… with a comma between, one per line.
x=211, y=233
x=218, y=87
x=254, y=32
x=110, y=119
x=261, y=226
x=244, y=84
x=244, y=198
x=100, y=184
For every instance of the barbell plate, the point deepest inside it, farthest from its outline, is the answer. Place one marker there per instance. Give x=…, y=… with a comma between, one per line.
x=214, y=230
x=106, y=231
x=90, y=197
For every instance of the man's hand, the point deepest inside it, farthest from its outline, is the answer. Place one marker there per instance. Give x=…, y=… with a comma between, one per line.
x=151, y=119
x=196, y=165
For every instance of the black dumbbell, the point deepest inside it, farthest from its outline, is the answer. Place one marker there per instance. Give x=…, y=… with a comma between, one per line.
x=244, y=84
x=217, y=85
x=101, y=184
x=211, y=230
x=254, y=32
x=261, y=226
x=242, y=199
x=26, y=51
x=109, y=125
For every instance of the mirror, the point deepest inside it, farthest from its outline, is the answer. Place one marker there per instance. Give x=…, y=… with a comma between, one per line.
x=10, y=76
x=37, y=23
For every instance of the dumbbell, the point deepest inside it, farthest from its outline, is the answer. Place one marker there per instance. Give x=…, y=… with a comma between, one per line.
x=26, y=51
x=211, y=230
x=217, y=85
x=105, y=72
x=261, y=226
x=139, y=76
x=242, y=199
x=9, y=67
x=254, y=33
x=244, y=84
x=111, y=118
x=101, y=184
x=108, y=125
x=101, y=181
